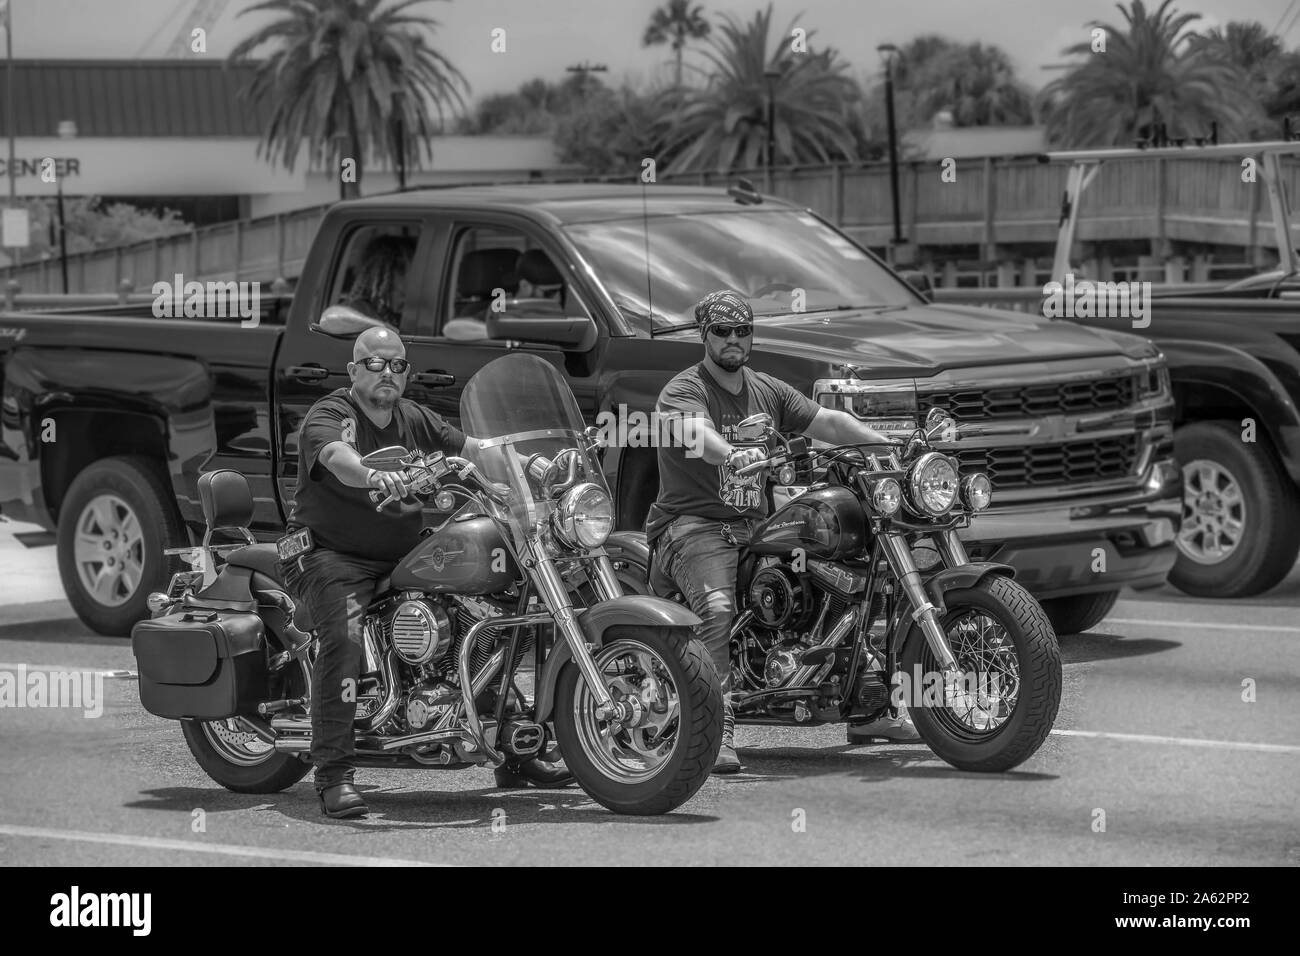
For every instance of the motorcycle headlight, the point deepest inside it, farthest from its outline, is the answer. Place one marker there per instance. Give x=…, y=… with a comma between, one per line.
x=932, y=484
x=977, y=491
x=887, y=496
x=584, y=517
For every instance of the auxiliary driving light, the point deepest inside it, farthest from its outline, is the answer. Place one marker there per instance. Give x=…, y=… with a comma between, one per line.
x=887, y=496
x=977, y=491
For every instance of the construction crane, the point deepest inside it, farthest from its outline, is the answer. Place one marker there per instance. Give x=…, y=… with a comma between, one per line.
x=200, y=13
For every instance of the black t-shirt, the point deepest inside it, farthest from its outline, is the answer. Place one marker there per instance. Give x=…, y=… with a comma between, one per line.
x=342, y=518
x=688, y=486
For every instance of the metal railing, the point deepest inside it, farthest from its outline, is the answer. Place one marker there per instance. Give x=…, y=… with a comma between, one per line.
x=1012, y=202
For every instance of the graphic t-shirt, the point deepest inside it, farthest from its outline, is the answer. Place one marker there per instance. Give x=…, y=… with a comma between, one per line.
x=689, y=486
x=343, y=518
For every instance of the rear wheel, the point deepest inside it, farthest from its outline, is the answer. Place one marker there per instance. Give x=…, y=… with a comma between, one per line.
x=238, y=759
x=114, y=523
x=1241, y=517
x=1004, y=706
x=663, y=746
x=1079, y=612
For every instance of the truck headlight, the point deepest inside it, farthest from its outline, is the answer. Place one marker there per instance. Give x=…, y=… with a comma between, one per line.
x=887, y=496
x=932, y=484
x=977, y=491
x=584, y=516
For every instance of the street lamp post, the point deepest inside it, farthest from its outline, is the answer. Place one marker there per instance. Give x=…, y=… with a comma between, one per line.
x=889, y=51
x=771, y=75
x=67, y=131
x=399, y=102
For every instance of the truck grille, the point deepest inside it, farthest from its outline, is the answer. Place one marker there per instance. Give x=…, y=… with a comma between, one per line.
x=1038, y=465
x=1031, y=401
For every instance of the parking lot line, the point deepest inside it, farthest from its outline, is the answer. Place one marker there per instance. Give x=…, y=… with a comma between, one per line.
x=224, y=849
x=1182, y=741
x=1272, y=628
x=124, y=674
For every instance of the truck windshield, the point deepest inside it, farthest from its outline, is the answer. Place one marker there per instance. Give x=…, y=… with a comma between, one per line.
x=783, y=261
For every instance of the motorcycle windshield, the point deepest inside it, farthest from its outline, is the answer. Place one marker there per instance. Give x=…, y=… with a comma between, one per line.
x=517, y=408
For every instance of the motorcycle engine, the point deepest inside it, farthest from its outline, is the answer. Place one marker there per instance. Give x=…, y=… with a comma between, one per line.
x=418, y=630
x=782, y=661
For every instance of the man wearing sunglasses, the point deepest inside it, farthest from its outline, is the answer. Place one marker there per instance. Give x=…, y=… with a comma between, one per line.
x=353, y=545
x=705, y=511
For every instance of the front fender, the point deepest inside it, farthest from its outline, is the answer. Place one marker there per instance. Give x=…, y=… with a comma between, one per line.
x=635, y=609
x=962, y=576
x=629, y=546
x=938, y=584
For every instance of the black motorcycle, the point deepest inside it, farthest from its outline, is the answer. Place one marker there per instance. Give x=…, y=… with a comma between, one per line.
x=857, y=596
x=478, y=648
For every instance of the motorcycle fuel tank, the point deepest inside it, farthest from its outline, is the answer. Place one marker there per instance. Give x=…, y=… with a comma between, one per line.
x=462, y=557
x=826, y=523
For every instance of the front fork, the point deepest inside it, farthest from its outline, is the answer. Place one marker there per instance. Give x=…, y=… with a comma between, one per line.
x=551, y=587
x=924, y=612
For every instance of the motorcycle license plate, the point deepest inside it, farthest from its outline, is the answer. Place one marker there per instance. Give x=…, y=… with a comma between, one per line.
x=292, y=545
x=182, y=581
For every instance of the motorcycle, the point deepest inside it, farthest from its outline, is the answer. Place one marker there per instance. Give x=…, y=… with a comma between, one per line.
x=505, y=628
x=857, y=596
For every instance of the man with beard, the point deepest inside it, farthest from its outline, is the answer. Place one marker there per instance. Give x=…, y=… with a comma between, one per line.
x=353, y=545
x=706, y=512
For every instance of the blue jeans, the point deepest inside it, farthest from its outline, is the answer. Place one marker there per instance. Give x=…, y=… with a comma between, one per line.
x=696, y=556
x=338, y=588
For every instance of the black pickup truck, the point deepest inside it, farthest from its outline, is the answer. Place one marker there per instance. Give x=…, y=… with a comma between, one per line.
x=109, y=418
x=1234, y=361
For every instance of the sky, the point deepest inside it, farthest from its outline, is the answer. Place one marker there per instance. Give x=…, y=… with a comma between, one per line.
x=542, y=37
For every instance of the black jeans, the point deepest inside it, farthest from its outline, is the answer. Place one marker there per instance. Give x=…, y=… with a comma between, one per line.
x=337, y=587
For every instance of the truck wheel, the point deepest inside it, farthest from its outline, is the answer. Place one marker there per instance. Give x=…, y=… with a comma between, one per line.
x=114, y=523
x=1241, y=519
x=1080, y=612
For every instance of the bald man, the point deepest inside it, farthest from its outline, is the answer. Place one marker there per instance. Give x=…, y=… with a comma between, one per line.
x=354, y=545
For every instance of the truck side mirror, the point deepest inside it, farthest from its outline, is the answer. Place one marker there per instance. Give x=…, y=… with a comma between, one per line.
x=573, y=332
x=919, y=281
x=345, y=322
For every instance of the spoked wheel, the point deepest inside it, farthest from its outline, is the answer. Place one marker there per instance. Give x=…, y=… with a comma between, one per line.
x=999, y=710
x=660, y=745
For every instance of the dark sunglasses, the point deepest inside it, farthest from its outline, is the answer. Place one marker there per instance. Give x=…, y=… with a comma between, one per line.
x=376, y=364
x=722, y=331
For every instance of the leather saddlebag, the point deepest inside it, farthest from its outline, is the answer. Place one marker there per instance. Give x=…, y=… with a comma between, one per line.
x=202, y=664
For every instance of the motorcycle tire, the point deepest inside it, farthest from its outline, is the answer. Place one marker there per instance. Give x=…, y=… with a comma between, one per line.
x=1014, y=610
x=219, y=755
x=696, y=739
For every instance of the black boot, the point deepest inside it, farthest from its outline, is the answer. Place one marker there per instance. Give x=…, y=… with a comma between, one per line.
x=547, y=774
x=341, y=801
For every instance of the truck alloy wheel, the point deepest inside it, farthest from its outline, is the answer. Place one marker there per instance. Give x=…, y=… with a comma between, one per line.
x=1241, y=514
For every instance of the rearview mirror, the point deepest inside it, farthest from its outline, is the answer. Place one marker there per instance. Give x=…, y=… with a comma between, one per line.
x=392, y=458
x=574, y=332
x=919, y=281
x=754, y=427
x=345, y=322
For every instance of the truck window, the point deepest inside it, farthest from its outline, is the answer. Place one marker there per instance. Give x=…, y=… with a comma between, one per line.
x=375, y=275
x=491, y=264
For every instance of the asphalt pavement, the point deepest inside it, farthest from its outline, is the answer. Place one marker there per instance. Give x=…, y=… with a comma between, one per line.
x=1160, y=756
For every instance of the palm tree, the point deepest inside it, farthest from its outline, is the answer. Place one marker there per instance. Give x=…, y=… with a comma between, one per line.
x=1153, y=74
x=724, y=124
x=976, y=82
x=676, y=23
x=343, y=75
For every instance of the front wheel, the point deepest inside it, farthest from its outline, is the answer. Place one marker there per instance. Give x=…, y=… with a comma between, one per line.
x=662, y=746
x=1003, y=707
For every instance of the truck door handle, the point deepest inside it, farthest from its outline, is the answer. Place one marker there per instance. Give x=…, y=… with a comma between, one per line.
x=437, y=378
x=306, y=373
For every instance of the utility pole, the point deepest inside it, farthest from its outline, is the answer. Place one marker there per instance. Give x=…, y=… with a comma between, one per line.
x=889, y=51
x=582, y=69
